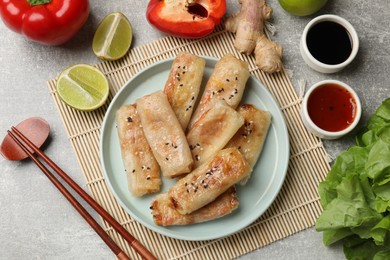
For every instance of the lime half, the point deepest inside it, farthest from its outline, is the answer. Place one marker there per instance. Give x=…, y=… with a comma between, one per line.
x=83, y=87
x=113, y=37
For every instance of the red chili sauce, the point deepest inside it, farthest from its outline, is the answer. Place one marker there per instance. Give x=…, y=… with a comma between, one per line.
x=331, y=107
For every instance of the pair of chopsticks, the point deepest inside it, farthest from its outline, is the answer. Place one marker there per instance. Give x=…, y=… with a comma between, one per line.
x=23, y=141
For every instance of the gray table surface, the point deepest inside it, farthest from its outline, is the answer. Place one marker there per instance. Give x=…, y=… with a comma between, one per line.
x=36, y=222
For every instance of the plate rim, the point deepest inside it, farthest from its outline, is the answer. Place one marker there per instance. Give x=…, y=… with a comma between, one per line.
x=166, y=232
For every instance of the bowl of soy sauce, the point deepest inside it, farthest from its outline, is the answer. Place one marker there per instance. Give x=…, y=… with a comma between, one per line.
x=329, y=43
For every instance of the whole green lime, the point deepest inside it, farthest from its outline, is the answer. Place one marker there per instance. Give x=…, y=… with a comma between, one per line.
x=302, y=7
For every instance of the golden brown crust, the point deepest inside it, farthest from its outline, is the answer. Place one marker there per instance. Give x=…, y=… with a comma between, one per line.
x=164, y=135
x=250, y=138
x=213, y=131
x=165, y=214
x=227, y=82
x=143, y=172
x=208, y=181
x=183, y=85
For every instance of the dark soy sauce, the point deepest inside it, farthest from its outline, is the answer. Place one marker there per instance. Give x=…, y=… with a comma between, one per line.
x=329, y=42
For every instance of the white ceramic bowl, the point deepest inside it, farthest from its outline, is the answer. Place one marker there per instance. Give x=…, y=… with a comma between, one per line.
x=312, y=127
x=314, y=63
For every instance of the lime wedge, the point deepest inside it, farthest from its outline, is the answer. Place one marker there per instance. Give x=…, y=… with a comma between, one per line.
x=83, y=87
x=113, y=37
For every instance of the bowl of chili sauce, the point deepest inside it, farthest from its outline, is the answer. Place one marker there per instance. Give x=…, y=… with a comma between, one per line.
x=331, y=109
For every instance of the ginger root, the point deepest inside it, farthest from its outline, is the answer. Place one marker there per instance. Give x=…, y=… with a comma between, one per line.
x=248, y=25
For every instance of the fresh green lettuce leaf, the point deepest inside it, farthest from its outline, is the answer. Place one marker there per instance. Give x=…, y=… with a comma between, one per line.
x=378, y=161
x=349, y=162
x=356, y=193
x=363, y=250
x=349, y=209
x=382, y=255
x=356, y=248
x=380, y=232
x=379, y=122
x=333, y=235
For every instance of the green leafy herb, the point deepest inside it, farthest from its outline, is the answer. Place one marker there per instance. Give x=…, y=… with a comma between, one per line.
x=356, y=193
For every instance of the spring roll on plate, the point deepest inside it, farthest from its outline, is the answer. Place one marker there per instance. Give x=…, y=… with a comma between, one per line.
x=204, y=184
x=164, y=134
x=213, y=131
x=250, y=138
x=143, y=172
x=165, y=214
x=183, y=85
x=227, y=82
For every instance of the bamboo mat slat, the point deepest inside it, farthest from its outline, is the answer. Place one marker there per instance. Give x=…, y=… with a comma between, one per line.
x=296, y=207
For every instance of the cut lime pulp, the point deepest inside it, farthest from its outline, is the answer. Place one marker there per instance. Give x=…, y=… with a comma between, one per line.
x=83, y=87
x=113, y=37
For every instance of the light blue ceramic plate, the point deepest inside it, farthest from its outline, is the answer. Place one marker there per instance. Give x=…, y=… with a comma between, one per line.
x=255, y=197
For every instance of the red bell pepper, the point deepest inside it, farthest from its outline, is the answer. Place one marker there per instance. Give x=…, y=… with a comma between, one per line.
x=51, y=22
x=186, y=18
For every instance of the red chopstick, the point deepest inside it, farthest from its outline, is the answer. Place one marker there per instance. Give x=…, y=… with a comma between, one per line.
x=138, y=247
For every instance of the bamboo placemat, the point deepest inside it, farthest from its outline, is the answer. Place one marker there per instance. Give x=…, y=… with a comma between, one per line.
x=296, y=207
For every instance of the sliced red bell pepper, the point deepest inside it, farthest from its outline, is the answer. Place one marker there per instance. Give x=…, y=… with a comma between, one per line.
x=50, y=22
x=186, y=18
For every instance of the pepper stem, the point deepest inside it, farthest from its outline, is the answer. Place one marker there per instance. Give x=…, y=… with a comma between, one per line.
x=38, y=2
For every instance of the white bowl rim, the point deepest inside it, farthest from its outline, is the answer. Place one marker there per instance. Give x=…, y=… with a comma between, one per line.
x=320, y=130
x=343, y=22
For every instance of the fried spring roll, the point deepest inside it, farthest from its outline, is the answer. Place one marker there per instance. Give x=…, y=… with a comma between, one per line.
x=143, y=172
x=208, y=181
x=213, y=131
x=164, y=134
x=165, y=214
x=227, y=82
x=250, y=138
x=183, y=85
